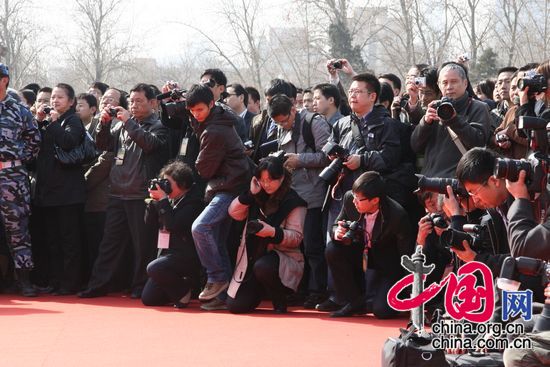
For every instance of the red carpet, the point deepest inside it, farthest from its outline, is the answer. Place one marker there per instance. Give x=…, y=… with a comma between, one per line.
x=118, y=331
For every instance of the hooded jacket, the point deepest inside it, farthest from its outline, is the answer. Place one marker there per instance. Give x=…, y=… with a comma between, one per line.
x=221, y=160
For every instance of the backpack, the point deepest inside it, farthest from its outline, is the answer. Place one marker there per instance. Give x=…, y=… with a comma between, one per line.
x=307, y=134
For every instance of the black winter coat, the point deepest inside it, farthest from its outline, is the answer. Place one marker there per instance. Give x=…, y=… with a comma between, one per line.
x=57, y=184
x=221, y=160
x=146, y=152
x=392, y=235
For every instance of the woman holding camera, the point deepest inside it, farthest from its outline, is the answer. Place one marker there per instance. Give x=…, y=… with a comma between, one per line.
x=60, y=189
x=275, y=215
x=177, y=201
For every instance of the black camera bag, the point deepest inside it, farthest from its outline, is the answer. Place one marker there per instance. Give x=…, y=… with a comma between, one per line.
x=474, y=359
x=412, y=350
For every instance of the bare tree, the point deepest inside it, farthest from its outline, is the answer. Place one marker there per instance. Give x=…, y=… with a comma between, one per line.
x=475, y=25
x=435, y=24
x=535, y=35
x=103, y=48
x=17, y=34
x=509, y=27
x=242, y=18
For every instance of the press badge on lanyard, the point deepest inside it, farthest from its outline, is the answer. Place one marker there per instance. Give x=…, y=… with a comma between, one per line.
x=183, y=147
x=164, y=239
x=119, y=159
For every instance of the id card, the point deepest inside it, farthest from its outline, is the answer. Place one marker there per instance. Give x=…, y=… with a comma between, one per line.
x=119, y=158
x=183, y=147
x=164, y=239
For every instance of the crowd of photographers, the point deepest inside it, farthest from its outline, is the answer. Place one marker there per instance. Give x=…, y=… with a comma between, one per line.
x=311, y=200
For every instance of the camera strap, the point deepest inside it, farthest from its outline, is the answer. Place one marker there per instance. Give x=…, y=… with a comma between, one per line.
x=240, y=265
x=455, y=137
x=457, y=141
x=356, y=131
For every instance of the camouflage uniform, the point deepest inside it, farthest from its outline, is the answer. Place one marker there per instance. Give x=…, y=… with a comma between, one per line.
x=19, y=143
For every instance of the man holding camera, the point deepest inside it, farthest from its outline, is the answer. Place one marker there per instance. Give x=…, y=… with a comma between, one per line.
x=223, y=165
x=367, y=140
x=139, y=142
x=528, y=232
x=369, y=237
x=305, y=162
x=451, y=126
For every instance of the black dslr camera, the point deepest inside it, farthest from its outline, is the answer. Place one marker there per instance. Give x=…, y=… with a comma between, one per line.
x=439, y=185
x=47, y=110
x=445, y=109
x=535, y=82
x=474, y=234
x=253, y=227
x=175, y=107
x=509, y=280
x=354, y=231
x=437, y=220
x=330, y=172
x=536, y=169
x=280, y=155
x=112, y=112
x=404, y=100
x=163, y=183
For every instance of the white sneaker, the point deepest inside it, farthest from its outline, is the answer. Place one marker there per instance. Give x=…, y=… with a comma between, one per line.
x=212, y=290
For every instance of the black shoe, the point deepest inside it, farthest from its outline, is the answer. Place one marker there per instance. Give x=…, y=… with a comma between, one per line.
x=92, y=293
x=313, y=300
x=136, y=293
x=280, y=306
x=63, y=292
x=25, y=286
x=328, y=306
x=352, y=308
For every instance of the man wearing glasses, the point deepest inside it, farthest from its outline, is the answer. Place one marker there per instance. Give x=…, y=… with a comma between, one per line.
x=369, y=237
x=372, y=139
x=528, y=233
x=444, y=141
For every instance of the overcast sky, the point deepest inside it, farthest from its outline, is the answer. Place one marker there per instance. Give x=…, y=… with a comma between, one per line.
x=157, y=23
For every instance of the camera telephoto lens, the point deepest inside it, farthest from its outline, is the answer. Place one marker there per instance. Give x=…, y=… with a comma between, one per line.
x=510, y=168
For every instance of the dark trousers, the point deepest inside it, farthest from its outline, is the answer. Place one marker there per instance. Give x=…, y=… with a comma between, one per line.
x=314, y=250
x=169, y=279
x=346, y=266
x=124, y=223
x=352, y=283
x=377, y=288
x=94, y=224
x=264, y=278
x=63, y=236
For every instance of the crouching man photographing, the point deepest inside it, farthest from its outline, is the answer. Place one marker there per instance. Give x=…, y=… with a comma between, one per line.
x=526, y=221
x=371, y=229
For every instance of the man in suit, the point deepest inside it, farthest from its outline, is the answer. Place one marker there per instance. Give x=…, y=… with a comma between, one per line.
x=237, y=99
x=373, y=230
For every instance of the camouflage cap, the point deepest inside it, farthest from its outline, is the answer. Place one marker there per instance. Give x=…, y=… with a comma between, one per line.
x=4, y=71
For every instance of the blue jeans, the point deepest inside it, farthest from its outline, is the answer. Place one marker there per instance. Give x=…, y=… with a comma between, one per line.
x=210, y=231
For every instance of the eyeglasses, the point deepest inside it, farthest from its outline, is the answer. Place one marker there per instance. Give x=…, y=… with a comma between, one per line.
x=357, y=199
x=476, y=191
x=285, y=121
x=357, y=91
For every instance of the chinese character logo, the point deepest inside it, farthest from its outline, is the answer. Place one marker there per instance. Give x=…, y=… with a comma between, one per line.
x=466, y=296
x=517, y=303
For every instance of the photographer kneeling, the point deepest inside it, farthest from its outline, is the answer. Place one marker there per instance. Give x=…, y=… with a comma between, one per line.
x=373, y=230
x=177, y=201
x=275, y=215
